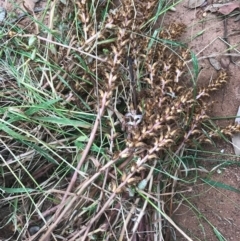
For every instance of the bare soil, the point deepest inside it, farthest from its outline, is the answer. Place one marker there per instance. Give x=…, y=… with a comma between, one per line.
x=220, y=207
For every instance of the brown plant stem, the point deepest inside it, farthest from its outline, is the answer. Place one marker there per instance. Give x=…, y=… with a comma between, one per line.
x=86, y=150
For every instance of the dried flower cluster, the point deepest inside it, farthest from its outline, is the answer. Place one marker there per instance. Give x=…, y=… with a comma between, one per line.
x=172, y=113
x=169, y=113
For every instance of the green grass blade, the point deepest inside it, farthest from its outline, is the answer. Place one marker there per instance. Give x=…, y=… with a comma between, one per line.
x=220, y=185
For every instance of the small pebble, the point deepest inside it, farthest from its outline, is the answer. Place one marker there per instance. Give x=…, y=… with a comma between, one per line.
x=33, y=229
x=215, y=63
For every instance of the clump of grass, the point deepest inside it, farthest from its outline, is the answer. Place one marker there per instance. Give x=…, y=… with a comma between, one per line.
x=83, y=141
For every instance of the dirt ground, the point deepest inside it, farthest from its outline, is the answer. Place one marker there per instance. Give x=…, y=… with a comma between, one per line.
x=14, y=9
x=220, y=207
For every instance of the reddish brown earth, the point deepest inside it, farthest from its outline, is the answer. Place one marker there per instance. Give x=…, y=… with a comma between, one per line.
x=220, y=207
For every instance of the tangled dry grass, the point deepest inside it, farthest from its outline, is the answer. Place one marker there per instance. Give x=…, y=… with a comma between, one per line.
x=90, y=163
